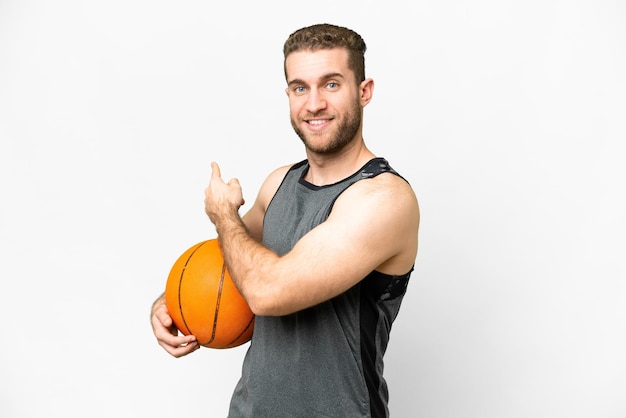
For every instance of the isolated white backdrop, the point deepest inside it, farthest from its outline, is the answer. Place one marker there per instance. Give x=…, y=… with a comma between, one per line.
x=507, y=118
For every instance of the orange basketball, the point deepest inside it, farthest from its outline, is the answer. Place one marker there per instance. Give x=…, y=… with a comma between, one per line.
x=203, y=301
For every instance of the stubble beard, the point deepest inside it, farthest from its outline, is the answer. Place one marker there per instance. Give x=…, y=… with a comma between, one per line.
x=345, y=133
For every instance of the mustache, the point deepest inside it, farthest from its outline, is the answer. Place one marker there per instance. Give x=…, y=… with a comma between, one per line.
x=317, y=115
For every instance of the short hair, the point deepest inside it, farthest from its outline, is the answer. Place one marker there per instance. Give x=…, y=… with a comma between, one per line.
x=327, y=36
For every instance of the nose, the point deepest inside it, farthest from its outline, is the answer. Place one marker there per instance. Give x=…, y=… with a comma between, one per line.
x=315, y=101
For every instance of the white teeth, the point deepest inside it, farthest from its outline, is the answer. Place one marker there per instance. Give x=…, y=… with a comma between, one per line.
x=316, y=122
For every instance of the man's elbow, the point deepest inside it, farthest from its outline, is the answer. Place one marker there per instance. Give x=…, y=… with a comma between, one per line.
x=265, y=303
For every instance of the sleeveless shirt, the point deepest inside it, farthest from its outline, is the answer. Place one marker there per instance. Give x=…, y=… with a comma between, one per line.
x=327, y=360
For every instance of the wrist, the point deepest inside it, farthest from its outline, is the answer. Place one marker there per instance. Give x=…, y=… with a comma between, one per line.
x=229, y=221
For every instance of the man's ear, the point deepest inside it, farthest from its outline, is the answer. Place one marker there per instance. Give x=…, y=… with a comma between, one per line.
x=366, y=91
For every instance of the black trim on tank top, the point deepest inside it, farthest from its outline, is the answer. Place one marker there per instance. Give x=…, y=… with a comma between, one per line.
x=376, y=287
x=370, y=169
x=387, y=286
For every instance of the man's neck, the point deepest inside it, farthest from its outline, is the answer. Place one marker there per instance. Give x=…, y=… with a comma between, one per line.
x=327, y=169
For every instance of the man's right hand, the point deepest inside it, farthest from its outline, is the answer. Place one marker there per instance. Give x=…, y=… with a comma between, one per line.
x=166, y=332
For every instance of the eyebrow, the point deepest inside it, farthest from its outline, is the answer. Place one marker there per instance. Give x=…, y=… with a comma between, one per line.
x=324, y=77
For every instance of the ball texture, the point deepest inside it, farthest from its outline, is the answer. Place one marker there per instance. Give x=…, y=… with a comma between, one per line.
x=203, y=301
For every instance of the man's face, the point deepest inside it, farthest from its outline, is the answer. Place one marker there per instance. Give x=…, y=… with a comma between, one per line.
x=324, y=103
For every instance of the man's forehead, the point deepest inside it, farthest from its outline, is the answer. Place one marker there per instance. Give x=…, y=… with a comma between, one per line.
x=309, y=63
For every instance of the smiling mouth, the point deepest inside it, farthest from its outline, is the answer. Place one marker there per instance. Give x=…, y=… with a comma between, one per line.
x=316, y=123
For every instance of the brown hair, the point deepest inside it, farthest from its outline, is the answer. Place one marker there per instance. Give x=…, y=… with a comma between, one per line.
x=327, y=36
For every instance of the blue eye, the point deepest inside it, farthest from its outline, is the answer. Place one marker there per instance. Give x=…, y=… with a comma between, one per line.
x=299, y=89
x=332, y=85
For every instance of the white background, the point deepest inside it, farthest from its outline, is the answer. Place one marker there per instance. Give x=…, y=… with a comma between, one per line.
x=507, y=117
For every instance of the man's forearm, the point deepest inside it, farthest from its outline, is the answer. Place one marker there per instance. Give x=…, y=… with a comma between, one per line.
x=246, y=258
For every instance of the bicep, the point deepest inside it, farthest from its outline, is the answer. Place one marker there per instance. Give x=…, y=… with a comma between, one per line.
x=327, y=261
x=350, y=244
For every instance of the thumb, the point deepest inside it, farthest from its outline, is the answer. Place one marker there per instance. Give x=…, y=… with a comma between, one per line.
x=215, y=171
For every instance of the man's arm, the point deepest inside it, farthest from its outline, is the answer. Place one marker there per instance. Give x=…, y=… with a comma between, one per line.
x=373, y=225
x=163, y=327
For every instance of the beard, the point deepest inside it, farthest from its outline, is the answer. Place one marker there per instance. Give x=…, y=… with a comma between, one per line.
x=346, y=131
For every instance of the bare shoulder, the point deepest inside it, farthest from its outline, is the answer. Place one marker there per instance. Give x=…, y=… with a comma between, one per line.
x=271, y=185
x=388, y=197
x=384, y=212
x=386, y=188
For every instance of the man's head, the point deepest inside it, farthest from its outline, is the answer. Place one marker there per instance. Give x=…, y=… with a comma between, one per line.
x=326, y=36
x=326, y=87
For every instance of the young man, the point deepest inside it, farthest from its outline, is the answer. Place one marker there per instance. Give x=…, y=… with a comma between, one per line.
x=323, y=256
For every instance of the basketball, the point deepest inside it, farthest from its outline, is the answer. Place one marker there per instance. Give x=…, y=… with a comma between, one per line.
x=203, y=301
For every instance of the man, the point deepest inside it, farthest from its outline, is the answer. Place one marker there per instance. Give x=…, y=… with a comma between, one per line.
x=323, y=256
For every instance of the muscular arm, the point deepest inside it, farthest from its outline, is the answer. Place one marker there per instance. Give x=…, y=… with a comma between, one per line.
x=329, y=259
